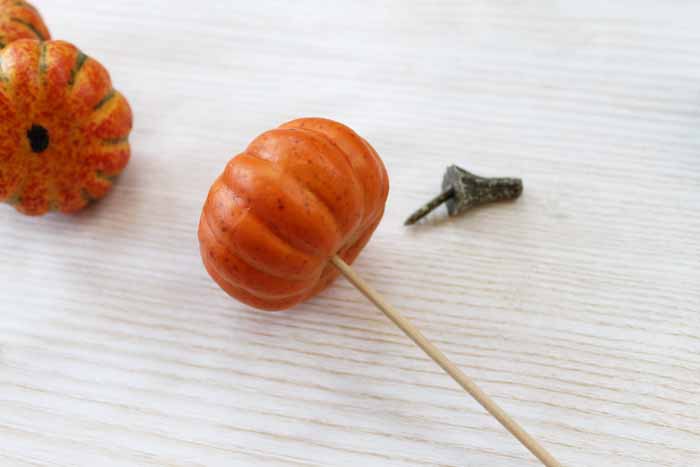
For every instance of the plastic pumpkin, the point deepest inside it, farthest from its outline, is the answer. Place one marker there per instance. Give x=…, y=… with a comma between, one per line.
x=295, y=197
x=20, y=20
x=63, y=128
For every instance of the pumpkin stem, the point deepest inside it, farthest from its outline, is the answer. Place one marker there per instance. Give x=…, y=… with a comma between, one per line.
x=428, y=207
x=463, y=190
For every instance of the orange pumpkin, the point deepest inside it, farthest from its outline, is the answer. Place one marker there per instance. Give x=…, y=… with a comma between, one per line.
x=63, y=128
x=20, y=20
x=298, y=195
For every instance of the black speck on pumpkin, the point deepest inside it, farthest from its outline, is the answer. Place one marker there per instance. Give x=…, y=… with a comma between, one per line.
x=38, y=138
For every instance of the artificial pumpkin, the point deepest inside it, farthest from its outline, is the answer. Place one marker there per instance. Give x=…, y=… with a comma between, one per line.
x=298, y=195
x=63, y=128
x=20, y=20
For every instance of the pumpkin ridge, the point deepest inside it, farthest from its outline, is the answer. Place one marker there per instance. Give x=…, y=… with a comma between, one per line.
x=260, y=224
x=80, y=60
x=253, y=292
x=103, y=110
x=113, y=111
x=308, y=257
x=16, y=196
x=249, y=298
x=234, y=252
x=29, y=26
x=379, y=165
x=42, y=62
x=319, y=199
x=23, y=4
x=94, y=187
x=346, y=157
x=87, y=197
x=115, y=141
x=309, y=248
x=108, y=159
x=319, y=135
x=21, y=186
x=101, y=175
x=299, y=184
x=3, y=77
x=238, y=221
x=318, y=125
x=108, y=97
x=277, y=234
x=313, y=135
x=52, y=193
x=9, y=86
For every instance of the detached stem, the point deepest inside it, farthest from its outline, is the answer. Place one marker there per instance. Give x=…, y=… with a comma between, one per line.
x=462, y=190
x=430, y=206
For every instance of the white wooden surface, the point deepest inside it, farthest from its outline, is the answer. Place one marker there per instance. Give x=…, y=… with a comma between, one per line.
x=577, y=308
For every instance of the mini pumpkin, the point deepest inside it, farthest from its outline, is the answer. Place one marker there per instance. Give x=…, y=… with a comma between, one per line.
x=63, y=128
x=20, y=20
x=282, y=209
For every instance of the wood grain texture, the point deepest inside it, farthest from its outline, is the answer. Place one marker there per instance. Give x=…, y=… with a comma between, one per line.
x=577, y=308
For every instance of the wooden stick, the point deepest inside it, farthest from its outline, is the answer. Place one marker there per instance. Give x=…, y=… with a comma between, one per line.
x=433, y=352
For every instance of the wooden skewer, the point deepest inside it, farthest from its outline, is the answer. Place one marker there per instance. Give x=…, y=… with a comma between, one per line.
x=433, y=352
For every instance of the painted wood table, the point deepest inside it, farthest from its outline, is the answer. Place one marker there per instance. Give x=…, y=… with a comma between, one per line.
x=577, y=308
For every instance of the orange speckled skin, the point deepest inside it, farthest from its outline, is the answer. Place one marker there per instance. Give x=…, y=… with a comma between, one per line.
x=52, y=85
x=20, y=20
x=298, y=195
